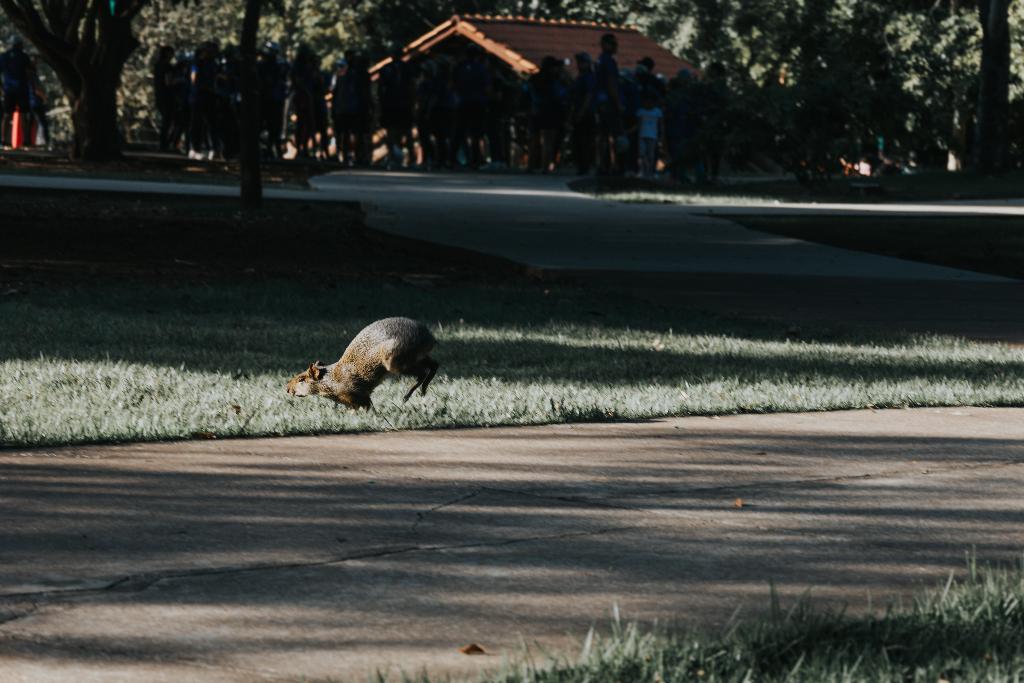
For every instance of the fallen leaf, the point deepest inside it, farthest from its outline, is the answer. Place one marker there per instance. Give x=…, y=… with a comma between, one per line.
x=472, y=649
x=738, y=503
x=204, y=435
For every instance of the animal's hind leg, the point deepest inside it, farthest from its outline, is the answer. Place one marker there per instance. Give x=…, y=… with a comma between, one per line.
x=431, y=369
x=419, y=382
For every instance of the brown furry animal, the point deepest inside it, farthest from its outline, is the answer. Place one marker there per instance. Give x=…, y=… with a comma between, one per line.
x=398, y=346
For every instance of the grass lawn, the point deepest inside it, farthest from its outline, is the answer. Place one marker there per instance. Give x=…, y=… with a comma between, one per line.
x=143, y=317
x=121, y=362
x=924, y=186
x=969, y=630
x=991, y=244
x=173, y=168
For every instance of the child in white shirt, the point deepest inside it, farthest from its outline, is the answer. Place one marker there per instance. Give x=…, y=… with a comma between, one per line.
x=650, y=130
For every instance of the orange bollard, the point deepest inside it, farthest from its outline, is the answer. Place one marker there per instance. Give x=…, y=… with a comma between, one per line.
x=17, y=134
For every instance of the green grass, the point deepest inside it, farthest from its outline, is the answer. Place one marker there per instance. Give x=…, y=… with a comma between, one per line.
x=119, y=363
x=993, y=244
x=915, y=187
x=967, y=630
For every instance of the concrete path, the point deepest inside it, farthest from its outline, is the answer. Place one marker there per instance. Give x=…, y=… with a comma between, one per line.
x=538, y=221
x=315, y=558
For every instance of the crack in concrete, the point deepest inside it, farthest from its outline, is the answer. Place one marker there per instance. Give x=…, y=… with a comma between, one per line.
x=140, y=582
x=420, y=516
x=17, y=612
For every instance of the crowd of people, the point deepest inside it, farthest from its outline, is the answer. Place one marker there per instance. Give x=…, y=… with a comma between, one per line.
x=464, y=110
x=444, y=111
x=22, y=94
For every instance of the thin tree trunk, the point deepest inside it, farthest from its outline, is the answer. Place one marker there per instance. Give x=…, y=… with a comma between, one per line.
x=252, y=183
x=94, y=117
x=990, y=133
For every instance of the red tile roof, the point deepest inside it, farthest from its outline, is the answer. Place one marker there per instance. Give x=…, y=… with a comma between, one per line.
x=524, y=42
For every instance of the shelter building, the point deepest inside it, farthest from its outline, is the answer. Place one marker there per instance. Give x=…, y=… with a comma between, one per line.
x=522, y=43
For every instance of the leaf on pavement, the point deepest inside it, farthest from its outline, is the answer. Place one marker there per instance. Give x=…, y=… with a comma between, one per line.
x=472, y=649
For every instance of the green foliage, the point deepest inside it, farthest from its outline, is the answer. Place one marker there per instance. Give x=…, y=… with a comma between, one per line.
x=810, y=82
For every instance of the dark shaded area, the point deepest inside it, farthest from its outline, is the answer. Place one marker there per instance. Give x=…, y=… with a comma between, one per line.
x=144, y=164
x=863, y=308
x=53, y=237
x=272, y=326
x=985, y=244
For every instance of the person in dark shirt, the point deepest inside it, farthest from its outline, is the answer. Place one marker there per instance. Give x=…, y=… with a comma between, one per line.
x=441, y=113
x=163, y=93
x=229, y=100
x=344, y=106
x=648, y=81
x=16, y=73
x=472, y=86
x=204, y=137
x=304, y=91
x=396, y=88
x=550, y=100
x=273, y=74
x=180, y=91
x=359, y=66
x=583, y=114
x=608, y=95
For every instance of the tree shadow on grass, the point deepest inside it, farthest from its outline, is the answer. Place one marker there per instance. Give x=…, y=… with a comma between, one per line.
x=483, y=333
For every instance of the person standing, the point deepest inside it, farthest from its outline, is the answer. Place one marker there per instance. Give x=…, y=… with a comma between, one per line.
x=472, y=87
x=343, y=111
x=303, y=76
x=441, y=114
x=583, y=115
x=549, y=97
x=16, y=76
x=203, y=103
x=396, y=96
x=359, y=67
x=163, y=93
x=609, y=104
x=273, y=73
x=650, y=131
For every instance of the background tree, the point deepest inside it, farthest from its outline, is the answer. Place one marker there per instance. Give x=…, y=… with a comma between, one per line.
x=86, y=43
x=994, y=87
x=252, y=183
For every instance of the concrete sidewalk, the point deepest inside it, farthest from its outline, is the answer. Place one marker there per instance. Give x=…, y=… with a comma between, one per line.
x=316, y=558
x=538, y=221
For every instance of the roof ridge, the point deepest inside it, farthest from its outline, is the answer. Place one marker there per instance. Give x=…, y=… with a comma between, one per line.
x=580, y=23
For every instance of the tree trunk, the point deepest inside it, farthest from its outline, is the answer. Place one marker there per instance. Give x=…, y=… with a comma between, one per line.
x=249, y=154
x=87, y=43
x=990, y=133
x=94, y=117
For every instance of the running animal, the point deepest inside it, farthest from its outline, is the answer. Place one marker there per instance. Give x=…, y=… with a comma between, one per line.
x=398, y=346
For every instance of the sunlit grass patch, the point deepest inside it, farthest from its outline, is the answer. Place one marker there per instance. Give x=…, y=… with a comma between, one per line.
x=121, y=364
x=966, y=630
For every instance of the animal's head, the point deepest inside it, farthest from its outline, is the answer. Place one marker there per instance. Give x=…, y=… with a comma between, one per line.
x=308, y=381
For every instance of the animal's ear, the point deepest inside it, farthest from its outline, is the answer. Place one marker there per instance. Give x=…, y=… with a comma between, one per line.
x=315, y=370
